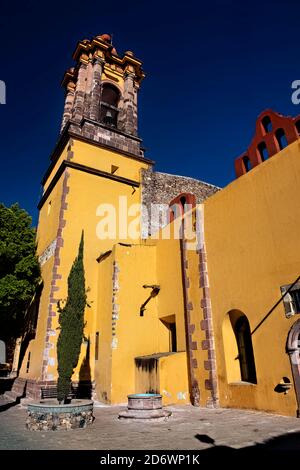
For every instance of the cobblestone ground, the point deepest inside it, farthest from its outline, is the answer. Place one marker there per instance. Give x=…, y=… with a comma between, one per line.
x=188, y=428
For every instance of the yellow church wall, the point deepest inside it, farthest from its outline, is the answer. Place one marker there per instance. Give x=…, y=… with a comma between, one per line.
x=102, y=159
x=173, y=375
x=134, y=335
x=61, y=158
x=253, y=248
x=130, y=335
x=169, y=377
x=81, y=215
x=49, y=218
x=169, y=276
x=86, y=192
x=36, y=346
x=46, y=234
x=103, y=325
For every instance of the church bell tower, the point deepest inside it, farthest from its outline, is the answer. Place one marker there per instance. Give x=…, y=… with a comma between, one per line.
x=101, y=95
x=97, y=161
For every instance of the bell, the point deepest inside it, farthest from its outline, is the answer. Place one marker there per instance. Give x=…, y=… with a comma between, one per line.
x=108, y=117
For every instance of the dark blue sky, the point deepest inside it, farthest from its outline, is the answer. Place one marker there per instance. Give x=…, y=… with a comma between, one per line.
x=211, y=68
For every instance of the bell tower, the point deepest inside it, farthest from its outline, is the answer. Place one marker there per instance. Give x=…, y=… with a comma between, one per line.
x=97, y=162
x=101, y=95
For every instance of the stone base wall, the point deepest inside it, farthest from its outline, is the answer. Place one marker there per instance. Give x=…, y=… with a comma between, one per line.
x=69, y=417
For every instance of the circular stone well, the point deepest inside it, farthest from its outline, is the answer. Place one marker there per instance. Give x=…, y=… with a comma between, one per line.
x=145, y=406
x=48, y=415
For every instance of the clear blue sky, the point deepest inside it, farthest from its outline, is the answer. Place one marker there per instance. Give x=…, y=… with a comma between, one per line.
x=211, y=68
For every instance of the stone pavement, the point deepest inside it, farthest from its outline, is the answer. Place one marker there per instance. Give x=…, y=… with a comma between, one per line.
x=188, y=428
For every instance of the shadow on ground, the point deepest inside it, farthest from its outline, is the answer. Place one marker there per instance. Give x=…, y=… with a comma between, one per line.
x=279, y=450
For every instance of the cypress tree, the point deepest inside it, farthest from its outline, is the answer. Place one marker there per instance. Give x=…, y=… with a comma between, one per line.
x=71, y=321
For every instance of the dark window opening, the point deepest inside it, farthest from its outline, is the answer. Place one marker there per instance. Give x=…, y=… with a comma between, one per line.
x=267, y=124
x=298, y=126
x=173, y=339
x=97, y=346
x=183, y=203
x=281, y=138
x=295, y=294
x=246, y=356
x=110, y=95
x=109, y=105
x=169, y=323
x=263, y=151
x=247, y=163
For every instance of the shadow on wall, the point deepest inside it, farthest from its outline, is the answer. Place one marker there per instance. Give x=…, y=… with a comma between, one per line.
x=84, y=389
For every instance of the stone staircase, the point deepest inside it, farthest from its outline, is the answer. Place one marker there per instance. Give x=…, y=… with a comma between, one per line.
x=13, y=396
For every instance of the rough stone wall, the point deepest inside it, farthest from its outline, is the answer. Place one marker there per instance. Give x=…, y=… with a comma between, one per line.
x=161, y=188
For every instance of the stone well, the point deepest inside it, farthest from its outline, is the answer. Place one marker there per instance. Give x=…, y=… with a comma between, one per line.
x=48, y=415
x=146, y=407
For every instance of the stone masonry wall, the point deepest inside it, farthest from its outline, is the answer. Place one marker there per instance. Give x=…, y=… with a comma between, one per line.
x=161, y=188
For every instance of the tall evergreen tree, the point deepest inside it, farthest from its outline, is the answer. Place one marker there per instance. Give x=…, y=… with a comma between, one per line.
x=19, y=269
x=71, y=322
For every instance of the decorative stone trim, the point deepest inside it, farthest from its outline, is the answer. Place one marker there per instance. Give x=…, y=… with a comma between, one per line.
x=48, y=253
x=115, y=305
x=190, y=329
x=206, y=325
x=55, y=277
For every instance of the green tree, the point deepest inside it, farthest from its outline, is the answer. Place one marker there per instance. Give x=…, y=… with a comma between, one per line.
x=71, y=321
x=19, y=268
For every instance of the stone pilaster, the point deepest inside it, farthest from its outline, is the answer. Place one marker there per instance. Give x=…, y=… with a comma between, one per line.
x=79, y=100
x=69, y=102
x=96, y=89
x=128, y=114
x=88, y=88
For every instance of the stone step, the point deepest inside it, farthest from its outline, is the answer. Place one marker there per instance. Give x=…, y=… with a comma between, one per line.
x=11, y=395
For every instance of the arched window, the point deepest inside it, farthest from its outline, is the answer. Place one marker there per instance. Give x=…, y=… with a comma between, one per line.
x=183, y=203
x=267, y=124
x=263, y=151
x=298, y=126
x=247, y=163
x=281, y=138
x=238, y=350
x=244, y=343
x=110, y=97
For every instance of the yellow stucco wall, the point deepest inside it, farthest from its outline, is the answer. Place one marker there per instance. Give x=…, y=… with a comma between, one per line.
x=85, y=193
x=122, y=339
x=173, y=374
x=46, y=233
x=253, y=248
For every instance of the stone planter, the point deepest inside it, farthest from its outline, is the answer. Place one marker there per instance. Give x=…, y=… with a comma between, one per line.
x=146, y=407
x=48, y=415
